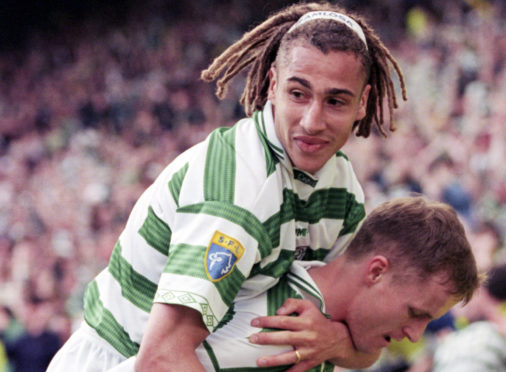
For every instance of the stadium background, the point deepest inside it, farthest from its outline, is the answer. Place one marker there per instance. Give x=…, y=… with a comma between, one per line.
x=95, y=98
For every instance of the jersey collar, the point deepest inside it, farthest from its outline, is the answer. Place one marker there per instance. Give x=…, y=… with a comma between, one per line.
x=267, y=128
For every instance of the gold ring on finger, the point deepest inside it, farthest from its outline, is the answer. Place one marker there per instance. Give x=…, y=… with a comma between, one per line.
x=298, y=356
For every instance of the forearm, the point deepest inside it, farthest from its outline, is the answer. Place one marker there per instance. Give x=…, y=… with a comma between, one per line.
x=356, y=360
x=182, y=360
x=172, y=335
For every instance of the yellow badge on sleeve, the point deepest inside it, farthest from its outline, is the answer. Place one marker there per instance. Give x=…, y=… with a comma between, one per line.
x=221, y=256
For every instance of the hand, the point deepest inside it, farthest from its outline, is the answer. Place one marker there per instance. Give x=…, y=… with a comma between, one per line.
x=315, y=337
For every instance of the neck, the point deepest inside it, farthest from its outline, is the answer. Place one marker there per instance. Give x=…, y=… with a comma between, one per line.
x=337, y=282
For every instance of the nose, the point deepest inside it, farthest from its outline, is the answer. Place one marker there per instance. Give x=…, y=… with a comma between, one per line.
x=415, y=330
x=312, y=120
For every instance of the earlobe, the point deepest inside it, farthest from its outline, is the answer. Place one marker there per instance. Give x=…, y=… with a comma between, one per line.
x=378, y=266
x=362, y=110
x=272, y=83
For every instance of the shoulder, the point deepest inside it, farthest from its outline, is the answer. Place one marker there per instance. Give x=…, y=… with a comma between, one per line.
x=229, y=166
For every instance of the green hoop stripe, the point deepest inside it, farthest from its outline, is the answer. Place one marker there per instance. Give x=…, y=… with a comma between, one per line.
x=277, y=295
x=156, y=232
x=237, y=215
x=219, y=173
x=332, y=203
x=356, y=213
x=176, y=182
x=135, y=287
x=276, y=268
x=102, y=320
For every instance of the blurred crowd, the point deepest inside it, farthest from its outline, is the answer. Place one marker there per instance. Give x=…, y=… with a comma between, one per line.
x=90, y=115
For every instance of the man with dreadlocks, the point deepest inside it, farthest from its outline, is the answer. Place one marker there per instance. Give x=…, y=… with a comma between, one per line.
x=226, y=219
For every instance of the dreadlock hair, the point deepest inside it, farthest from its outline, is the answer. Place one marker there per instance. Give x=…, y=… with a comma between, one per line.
x=259, y=48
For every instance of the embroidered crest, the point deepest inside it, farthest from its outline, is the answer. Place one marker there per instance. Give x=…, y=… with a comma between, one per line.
x=222, y=254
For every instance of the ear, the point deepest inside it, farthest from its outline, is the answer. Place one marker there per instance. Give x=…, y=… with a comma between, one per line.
x=362, y=105
x=272, y=83
x=377, y=267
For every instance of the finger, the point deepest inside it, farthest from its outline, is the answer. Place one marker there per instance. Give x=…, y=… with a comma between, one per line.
x=294, y=305
x=301, y=338
x=272, y=338
x=290, y=357
x=291, y=323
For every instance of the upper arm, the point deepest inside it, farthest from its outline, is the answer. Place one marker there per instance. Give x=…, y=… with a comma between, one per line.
x=172, y=335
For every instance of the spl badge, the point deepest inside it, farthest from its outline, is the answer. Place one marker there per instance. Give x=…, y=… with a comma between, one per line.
x=221, y=256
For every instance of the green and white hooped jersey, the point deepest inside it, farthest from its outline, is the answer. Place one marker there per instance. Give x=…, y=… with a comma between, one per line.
x=228, y=348
x=222, y=223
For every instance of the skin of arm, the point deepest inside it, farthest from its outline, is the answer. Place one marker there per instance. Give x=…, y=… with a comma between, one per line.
x=313, y=335
x=172, y=335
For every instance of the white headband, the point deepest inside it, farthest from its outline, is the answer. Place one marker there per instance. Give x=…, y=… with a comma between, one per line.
x=338, y=17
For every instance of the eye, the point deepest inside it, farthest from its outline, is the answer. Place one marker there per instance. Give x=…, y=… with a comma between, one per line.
x=414, y=314
x=297, y=93
x=332, y=101
x=411, y=313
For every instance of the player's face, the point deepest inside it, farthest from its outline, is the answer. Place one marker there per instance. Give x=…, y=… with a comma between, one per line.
x=392, y=311
x=316, y=99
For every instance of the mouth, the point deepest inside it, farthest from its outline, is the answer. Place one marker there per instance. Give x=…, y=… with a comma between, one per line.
x=310, y=144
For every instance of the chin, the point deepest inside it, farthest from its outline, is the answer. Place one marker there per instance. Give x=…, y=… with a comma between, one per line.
x=309, y=168
x=373, y=349
x=363, y=345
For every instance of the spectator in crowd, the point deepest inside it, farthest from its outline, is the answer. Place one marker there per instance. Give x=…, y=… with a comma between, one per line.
x=34, y=346
x=481, y=345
